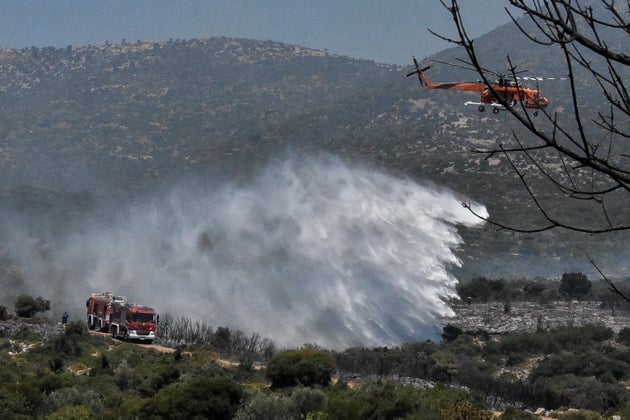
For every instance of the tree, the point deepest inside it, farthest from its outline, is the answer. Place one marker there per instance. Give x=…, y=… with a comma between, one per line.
x=575, y=285
x=583, y=153
x=307, y=366
x=26, y=306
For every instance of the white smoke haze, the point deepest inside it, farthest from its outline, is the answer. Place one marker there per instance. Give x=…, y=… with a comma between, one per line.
x=311, y=250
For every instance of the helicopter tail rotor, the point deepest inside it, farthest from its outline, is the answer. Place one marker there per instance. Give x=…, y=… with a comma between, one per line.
x=418, y=71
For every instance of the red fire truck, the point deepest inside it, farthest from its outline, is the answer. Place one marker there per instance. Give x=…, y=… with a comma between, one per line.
x=108, y=312
x=132, y=322
x=98, y=310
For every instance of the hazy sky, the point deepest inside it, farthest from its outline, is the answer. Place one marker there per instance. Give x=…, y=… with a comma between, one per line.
x=388, y=31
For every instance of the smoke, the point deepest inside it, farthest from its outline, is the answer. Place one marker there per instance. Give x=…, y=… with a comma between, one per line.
x=311, y=250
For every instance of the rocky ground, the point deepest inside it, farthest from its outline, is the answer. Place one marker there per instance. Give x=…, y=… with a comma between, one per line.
x=43, y=327
x=501, y=318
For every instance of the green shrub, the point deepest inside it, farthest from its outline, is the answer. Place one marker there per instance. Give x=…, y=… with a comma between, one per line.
x=377, y=400
x=451, y=332
x=481, y=289
x=590, y=363
x=575, y=285
x=26, y=335
x=578, y=415
x=72, y=412
x=76, y=328
x=263, y=406
x=585, y=392
x=624, y=336
x=584, y=336
x=308, y=400
x=388, y=400
x=73, y=397
x=465, y=410
x=26, y=306
x=307, y=366
x=515, y=414
x=214, y=398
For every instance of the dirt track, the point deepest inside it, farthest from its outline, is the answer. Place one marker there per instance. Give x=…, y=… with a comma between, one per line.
x=157, y=347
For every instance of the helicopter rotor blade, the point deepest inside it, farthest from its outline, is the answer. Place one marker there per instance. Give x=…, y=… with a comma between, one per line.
x=510, y=74
x=470, y=67
x=473, y=68
x=417, y=71
x=451, y=64
x=540, y=78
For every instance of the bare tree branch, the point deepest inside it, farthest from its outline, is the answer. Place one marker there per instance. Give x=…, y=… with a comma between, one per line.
x=593, y=161
x=592, y=152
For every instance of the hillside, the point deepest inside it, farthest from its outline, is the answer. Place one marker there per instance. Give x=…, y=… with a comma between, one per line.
x=78, y=124
x=60, y=372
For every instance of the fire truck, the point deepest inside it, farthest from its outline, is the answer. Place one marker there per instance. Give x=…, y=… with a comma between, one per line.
x=99, y=310
x=110, y=313
x=132, y=322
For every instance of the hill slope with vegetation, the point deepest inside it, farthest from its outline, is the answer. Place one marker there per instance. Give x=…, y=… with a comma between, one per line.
x=79, y=124
x=54, y=371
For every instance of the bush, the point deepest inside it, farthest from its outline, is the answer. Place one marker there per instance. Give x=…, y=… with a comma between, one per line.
x=26, y=306
x=624, y=336
x=389, y=400
x=308, y=400
x=264, y=406
x=465, y=410
x=72, y=412
x=451, y=332
x=4, y=315
x=213, y=398
x=578, y=415
x=481, y=289
x=575, y=285
x=585, y=392
x=75, y=328
x=515, y=414
x=590, y=363
x=306, y=366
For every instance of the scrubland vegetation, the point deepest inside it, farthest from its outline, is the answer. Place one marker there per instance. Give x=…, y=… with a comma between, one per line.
x=570, y=287
x=223, y=373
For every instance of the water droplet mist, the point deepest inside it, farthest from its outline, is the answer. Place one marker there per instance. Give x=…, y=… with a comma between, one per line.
x=309, y=251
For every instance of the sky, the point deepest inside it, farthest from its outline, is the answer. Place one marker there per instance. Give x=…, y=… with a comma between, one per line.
x=386, y=31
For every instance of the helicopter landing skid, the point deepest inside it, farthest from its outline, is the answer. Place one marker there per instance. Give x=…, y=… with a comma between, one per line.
x=496, y=108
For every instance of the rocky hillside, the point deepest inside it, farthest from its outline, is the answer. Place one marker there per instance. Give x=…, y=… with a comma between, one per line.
x=77, y=124
x=497, y=318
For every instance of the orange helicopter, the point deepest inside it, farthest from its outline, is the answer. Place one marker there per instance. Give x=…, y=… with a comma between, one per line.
x=504, y=89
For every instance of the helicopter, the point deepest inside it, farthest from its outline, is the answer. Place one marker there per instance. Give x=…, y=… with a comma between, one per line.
x=503, y=89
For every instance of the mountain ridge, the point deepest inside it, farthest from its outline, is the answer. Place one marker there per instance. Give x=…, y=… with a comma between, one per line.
x=129, y=117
